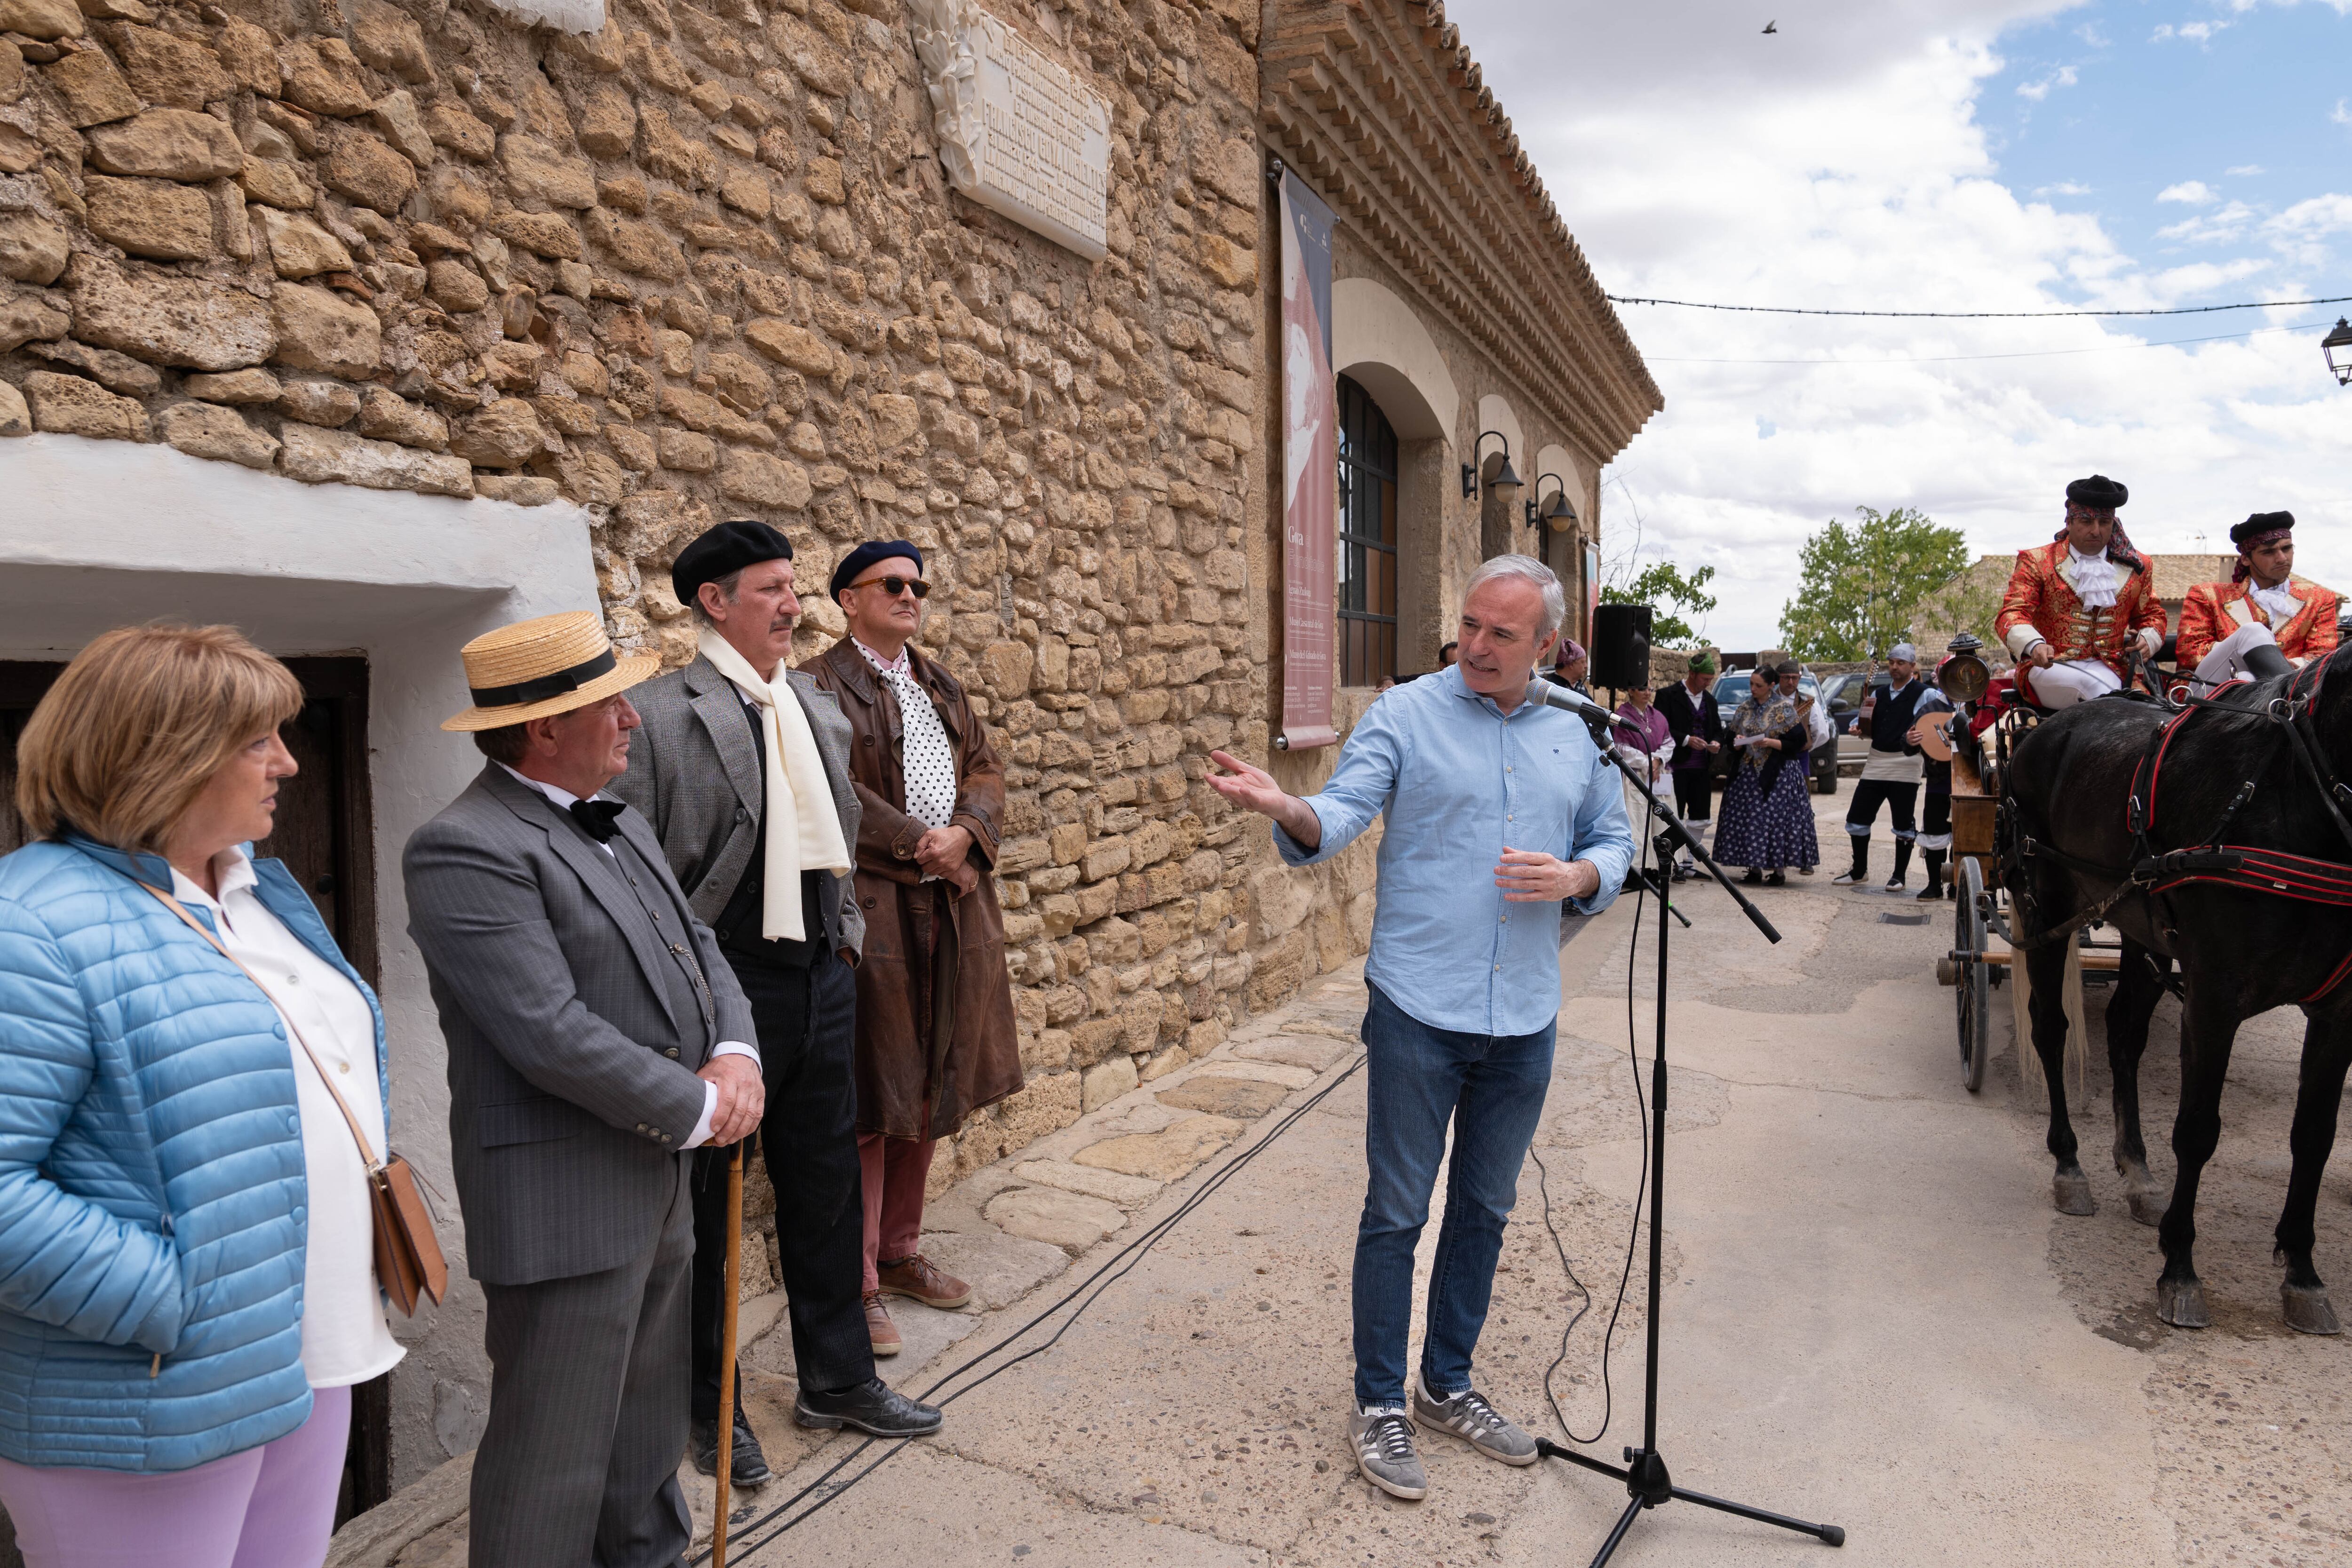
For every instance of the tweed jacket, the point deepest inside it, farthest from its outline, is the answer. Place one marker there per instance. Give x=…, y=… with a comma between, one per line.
x=2041, y=606
x=2214, y=610
x=695, y=774
x=572, y=1062
x=912, y=1083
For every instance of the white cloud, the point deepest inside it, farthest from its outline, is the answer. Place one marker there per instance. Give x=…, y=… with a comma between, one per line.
x=1855, y=175
x=2063, y=188
x=2343, y=112
x=2065, y=76
x=2229, y=225
x=2243, y=171
x=2093, y=34
x=2194, y=193
x=2198, y=33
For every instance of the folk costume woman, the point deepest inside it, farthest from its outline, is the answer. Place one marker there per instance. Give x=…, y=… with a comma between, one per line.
x=1767, y=816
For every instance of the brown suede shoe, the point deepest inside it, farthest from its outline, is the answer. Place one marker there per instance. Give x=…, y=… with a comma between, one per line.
x=879, y=1328
x=919, y=1279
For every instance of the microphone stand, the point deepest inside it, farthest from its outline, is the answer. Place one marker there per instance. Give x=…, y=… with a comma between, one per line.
x=1645, y=1471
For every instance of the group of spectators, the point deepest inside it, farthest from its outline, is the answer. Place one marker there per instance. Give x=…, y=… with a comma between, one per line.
x=755, y=902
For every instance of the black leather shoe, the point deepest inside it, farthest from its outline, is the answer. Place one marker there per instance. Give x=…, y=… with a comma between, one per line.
x=747, y=1466
x=872, y=1407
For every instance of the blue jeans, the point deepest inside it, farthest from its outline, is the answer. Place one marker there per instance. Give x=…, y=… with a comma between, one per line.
x=1491, y=1088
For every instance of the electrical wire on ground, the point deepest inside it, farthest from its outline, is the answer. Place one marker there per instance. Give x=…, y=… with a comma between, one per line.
x=1112, y=1271
x=1979, y=315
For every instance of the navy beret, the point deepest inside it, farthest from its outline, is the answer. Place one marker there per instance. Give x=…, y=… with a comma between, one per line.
x=866, y=555
x=2099, y=491
x=2262, y=522
x=724, y=551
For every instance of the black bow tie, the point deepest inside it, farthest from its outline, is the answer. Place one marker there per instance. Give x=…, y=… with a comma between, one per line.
x=596, y=817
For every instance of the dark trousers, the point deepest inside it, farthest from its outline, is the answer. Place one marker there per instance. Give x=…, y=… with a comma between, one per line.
x=579, y=1464
x=808, y=1136
x=1694, y=794
x=1869, y=793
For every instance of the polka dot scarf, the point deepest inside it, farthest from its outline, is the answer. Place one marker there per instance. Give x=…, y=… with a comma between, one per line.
x=929, y=760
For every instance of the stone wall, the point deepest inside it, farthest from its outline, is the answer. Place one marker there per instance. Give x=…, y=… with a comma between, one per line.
x=702, y=263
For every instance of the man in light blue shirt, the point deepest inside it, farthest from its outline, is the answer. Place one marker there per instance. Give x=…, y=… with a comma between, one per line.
x=1497, y=810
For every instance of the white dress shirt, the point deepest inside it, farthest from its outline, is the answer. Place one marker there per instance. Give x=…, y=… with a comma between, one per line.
x=2094, y=579
x=564, y=798
x=345, y=1339
x=2280, y=602
x=928, y=754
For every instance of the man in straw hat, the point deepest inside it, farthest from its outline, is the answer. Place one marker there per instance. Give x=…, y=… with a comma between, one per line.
x=742, y=768
x=595, y=1035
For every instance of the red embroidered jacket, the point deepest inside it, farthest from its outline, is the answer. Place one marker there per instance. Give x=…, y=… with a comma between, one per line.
x=2043, y=607
x=2214, y=610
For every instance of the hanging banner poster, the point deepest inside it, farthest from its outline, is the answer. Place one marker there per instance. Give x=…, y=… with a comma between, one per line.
x=1310, y=458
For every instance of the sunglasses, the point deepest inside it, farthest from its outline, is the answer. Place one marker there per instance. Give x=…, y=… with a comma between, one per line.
x=893, y=586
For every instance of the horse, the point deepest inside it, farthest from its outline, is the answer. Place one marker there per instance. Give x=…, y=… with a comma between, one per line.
x=2116, y=810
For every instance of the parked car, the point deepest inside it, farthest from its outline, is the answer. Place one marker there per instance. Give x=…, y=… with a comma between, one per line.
x=1731, y=690
x=1846, y=693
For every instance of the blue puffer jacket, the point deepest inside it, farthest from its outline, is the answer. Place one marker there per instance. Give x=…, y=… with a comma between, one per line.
x=151, y=1187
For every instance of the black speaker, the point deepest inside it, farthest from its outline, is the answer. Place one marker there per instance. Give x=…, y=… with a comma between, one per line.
x=1621, y=647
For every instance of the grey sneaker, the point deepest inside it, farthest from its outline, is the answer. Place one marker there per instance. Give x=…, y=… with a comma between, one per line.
x=1469, y=1417
x=1384, y=1452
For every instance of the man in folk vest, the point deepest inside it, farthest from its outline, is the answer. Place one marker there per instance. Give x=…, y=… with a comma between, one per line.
x=1890, y=776
x=2260, y=606
x=2076, y=604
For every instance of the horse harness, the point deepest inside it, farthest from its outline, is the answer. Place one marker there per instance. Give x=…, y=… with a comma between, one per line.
x=2154, y=872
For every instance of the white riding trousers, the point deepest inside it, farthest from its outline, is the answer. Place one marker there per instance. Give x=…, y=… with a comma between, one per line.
x=2228, y=659
x=2076, y=680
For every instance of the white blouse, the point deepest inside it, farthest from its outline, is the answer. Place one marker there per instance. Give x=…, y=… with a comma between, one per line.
x=345, y=1339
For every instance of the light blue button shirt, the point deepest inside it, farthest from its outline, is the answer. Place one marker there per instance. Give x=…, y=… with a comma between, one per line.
x=1461, y=781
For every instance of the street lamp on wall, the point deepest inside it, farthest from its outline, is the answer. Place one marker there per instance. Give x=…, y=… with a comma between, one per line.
x=1560, y=515
x=2337, y=348
x=1506, y=484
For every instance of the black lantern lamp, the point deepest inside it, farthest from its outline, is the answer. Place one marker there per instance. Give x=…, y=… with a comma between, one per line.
x=2337, y=347
x=1559, y=514
x=1506, y=484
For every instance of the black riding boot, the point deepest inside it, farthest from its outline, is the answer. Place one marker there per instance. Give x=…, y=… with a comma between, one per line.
x=1860, y=872
x=1902, y=863
x=1934, y=859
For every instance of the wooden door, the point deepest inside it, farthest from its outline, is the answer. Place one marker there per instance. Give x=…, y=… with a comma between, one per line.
x=325, y=834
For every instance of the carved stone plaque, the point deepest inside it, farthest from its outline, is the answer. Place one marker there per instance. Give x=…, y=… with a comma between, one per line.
x=1017, y=133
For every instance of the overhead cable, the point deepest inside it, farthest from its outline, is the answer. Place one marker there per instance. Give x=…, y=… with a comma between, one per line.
x=1978, y=315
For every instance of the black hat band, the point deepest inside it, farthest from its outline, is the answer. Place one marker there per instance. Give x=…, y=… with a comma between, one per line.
x=539, y=688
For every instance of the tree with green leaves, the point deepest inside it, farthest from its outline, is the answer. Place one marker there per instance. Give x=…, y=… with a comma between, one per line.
x=1671, y=597
x=1861, y=584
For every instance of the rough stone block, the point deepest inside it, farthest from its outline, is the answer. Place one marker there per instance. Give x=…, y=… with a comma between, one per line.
x=364, y=168
x=325, y=332
x=506, y=435
x=396, y=120
x=299, y=247
x=790, y=345
x=32, y=248
x=322, y=456
x=543, y=234
x=115, y=372
x=153, y=218
x=454, y=287
x=1105, y=1082
x=386, y=415
x=70, y=405
x=93, y=91
x=275, y=182
x=327, y=404
x=1237, y=1099
x=324, y=77
x=522, y=489
x=636, y=247
x=534, y=168
x=1070, y=1221
x=234, y=387
x=388, y=40
x=206, y=431
x=15, y=419
x=249, y=54
x=457, y=132
x=42, y=19
x=758, y=478
x=685, y=451
x=168, y=69
x=167, y=144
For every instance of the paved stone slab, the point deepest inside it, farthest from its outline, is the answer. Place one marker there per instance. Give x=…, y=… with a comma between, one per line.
x=1315, y=1053
x=1067, y=1220
x=1263, y=1072
x=1127, y=1192
x=1000, y=1268
x=1237, y=1098
x=1163, y=1156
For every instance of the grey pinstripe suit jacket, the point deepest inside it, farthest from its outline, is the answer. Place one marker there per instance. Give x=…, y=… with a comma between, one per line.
x=572, y=1073
x=694, y=774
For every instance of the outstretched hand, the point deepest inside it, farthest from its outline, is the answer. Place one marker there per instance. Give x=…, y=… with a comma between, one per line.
x=1253, y=789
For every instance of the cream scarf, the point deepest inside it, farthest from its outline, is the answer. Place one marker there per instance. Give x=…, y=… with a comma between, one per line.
x=798, y=839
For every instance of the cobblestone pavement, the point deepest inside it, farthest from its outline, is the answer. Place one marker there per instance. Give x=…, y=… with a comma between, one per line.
x=1875, y=1318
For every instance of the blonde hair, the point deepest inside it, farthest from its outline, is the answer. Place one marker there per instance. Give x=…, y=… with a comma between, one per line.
x=137, y=726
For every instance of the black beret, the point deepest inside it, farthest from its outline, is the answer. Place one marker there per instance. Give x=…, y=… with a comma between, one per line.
x=866, y=555
x=2260, y=523
x=724, y=551
x=2099, y=491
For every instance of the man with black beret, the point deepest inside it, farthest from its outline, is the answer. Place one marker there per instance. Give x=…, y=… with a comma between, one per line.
x=2075, y=604
x=2260, y=605
x=742, y=768
x=936, y=1037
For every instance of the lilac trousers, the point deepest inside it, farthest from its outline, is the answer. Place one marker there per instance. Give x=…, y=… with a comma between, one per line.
x=272, y=1507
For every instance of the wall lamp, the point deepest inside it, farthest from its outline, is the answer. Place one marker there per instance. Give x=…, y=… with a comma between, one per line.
x=1559, y=514
x=2339, y=342
x=1505, y=480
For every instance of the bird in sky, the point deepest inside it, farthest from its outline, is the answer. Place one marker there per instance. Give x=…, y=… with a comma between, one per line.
x=1772, y=26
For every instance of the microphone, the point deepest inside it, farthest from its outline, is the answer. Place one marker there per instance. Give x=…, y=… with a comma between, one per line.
x=1545, y=694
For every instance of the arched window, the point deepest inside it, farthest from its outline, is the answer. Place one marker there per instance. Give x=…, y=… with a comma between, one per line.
x=1368, y=539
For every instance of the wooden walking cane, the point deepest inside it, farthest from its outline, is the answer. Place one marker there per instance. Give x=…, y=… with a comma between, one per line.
x=733, y=1286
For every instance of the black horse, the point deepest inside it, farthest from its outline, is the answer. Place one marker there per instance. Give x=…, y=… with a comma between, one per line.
x=2228, y=775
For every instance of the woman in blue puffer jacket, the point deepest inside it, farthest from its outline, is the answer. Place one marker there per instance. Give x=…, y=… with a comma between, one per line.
x=187, y=1287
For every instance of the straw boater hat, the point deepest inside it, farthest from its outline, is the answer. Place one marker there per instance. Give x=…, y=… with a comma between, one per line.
x=535, y=669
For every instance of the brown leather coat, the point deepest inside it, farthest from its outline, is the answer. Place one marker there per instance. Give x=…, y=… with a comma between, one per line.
x=910, y=1086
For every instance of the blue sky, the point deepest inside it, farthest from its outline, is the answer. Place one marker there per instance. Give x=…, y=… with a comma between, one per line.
x=1880, y=154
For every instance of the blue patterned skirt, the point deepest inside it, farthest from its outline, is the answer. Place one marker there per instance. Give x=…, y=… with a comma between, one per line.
x=1767, y=832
